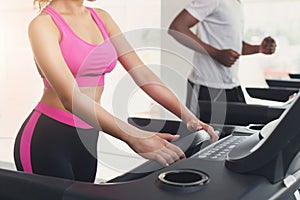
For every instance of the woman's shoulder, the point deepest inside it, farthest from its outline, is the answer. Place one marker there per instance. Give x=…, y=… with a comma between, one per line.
x=41, y=20
x=103, y=14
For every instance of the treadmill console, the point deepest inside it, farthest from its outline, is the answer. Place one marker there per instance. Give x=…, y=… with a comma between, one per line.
x=272, y=151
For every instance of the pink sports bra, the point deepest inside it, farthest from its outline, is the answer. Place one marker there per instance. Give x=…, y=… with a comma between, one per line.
x=87, y=62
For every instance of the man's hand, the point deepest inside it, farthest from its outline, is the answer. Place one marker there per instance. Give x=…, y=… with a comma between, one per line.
x=226, y=57
x=268, y=46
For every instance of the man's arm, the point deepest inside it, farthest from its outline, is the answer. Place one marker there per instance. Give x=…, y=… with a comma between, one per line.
x=249, y=49
x=180, y=29
x=267, y=46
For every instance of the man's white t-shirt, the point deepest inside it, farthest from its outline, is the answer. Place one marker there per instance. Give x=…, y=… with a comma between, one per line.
x=221, y=24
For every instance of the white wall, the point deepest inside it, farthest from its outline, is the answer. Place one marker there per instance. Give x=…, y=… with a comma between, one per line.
x=20, y=86
x=176, y=57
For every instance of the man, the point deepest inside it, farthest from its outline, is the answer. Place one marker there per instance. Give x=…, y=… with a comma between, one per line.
x=219, y=34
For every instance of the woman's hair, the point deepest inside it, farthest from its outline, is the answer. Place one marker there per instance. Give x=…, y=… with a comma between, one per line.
x=41, y=3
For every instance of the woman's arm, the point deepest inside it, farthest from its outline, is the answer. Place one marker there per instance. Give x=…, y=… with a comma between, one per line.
x=148, y=81
x=44, y=38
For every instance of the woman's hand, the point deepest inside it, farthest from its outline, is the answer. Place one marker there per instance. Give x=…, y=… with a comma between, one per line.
x=196, y=124
x=156, y=146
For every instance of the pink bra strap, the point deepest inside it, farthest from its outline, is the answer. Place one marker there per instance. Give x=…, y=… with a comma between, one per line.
x=99, y=22
x=59, y=21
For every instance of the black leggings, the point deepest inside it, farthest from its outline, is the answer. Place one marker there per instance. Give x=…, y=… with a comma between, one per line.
x=48, y=147
x=196, y=93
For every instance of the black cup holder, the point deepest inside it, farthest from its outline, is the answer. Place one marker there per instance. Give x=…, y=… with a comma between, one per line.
x=183, y=180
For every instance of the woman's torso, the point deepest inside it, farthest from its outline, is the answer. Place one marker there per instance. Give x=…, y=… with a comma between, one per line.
x=93, y=40
x=50, y=97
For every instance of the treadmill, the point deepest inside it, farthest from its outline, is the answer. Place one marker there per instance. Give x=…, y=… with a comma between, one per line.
x=242, y=114
x=226, y=118
x=285, y=83
x=294, y=76
x=190, y=142
x=273, y=93
x=244, y=165
x=234, y=113
x=262, y=165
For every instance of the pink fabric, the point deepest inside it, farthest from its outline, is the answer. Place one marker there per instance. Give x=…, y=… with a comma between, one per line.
x=26, y=141
x=87, y=62
x=52, y=112
x=61, y=116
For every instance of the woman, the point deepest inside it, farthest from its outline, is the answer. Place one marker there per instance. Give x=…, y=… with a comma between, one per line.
x=74, y=46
